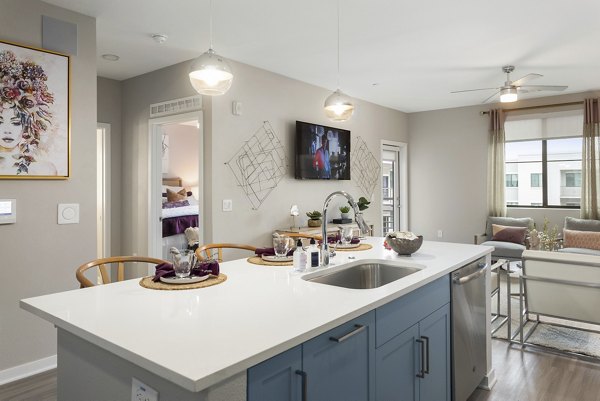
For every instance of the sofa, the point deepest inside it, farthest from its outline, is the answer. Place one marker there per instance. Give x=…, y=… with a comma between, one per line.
x=503, y=249
x=575, y=239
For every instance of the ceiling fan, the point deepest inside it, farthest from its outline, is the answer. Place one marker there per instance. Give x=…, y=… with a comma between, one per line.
x=510, y=90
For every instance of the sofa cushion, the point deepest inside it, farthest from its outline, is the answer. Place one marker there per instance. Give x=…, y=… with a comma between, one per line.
x=582, y=251
x=509, y=234
x=508, y=221
x=581, y=239
x=505, y=249
x=571, y=223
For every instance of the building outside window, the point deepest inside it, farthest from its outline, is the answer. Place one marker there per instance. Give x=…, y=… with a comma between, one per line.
x=543, y=159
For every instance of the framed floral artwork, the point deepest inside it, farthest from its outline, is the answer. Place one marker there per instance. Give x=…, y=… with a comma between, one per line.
x=34, y=113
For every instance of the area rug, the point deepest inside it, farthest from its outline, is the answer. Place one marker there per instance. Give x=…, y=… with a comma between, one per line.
x=561, y=338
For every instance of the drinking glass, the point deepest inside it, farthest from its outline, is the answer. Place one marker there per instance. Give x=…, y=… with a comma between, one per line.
x=182, y=262
x=347, y=234
x=281, y=245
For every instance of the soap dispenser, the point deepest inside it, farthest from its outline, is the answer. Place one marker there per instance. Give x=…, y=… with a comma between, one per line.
x=313, y=254
x=299, y=257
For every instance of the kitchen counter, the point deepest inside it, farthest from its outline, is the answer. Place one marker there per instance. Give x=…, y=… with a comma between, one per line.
x=214, y=333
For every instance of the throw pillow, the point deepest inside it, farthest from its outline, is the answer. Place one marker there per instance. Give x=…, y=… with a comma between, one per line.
x=509, y=234
x=581, y=239
x=173, y=196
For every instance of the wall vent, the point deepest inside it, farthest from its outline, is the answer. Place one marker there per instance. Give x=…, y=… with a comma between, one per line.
x=176, y=106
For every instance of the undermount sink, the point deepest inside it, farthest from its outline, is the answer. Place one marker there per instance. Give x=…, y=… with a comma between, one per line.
x=363, y=275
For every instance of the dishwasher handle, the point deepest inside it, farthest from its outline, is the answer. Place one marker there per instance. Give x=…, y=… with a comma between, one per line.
x=472, y=276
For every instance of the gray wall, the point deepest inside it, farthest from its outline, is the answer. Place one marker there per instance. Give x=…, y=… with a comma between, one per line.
x=39, y=256
x=265, y=96
x=448, y=171
x=109, y=112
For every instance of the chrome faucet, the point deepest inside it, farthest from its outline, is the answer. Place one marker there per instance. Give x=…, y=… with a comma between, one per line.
x=364, y=228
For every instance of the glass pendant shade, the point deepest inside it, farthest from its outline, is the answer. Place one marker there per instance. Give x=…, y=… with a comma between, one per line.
x=508, y=95
x=210, y=74
x=338, y=106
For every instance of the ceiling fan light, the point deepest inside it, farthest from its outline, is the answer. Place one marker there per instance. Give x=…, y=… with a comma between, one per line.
x=338, y=106
x=210, y=74
x=508, y=95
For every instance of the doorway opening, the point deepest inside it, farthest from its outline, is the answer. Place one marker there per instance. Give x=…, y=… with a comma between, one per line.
x=103, y=190
x=394, y=188
x=176, y=182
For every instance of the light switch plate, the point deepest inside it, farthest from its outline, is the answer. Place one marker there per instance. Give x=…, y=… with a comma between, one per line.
x=142, y=392
x=227, y=205
x=68, y=213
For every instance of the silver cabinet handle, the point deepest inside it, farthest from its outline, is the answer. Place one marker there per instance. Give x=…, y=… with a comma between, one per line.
x=426, y=370
x=421, y=373
x=304, y=384
x=357, y=329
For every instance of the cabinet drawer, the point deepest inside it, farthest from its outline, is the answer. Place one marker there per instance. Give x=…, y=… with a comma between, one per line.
x=393, y=318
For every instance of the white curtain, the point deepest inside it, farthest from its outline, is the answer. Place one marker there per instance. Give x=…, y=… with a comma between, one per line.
x=590, y=160
x=495, y=195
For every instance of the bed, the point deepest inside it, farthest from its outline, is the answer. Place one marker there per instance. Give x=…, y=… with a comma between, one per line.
x=177, y=215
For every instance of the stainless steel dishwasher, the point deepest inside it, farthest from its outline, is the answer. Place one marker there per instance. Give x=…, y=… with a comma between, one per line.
x=468, y=328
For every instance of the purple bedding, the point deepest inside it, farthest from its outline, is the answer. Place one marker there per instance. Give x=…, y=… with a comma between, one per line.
x=177, y=225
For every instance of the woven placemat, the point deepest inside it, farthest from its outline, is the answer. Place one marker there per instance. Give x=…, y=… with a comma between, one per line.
x=147, y=282
x=257, y=260
x=361, y=247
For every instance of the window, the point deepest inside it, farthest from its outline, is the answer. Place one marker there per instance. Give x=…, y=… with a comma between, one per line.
x=543, y=160
x=536, y=180
x=512, y=180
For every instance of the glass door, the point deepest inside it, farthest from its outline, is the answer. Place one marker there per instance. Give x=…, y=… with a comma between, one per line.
x=389, y=189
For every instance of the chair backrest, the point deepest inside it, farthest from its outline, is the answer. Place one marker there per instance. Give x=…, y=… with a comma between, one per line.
x=571, y=223
x=507, y=221
x=102, y=264
x=207, y=251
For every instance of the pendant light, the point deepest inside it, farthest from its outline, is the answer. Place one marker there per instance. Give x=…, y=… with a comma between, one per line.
x=338, y=106
x=210, y=74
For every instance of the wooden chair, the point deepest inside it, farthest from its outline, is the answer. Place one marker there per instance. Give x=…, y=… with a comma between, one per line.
x=207, y=251
x=101, y=265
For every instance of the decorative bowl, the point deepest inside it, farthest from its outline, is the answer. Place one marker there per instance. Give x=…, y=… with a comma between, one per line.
x=404, y=246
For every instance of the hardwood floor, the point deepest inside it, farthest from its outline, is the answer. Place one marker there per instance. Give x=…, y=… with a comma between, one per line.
x=534, y=375
x=40, y=387
x=528, y=375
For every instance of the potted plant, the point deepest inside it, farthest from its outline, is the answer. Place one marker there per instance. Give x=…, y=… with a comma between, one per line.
x=345, y=210
x=314, y=218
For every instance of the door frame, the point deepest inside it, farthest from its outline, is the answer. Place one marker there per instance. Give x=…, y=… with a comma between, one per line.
x=103, y=193
x=402, y=174
x=155, y=177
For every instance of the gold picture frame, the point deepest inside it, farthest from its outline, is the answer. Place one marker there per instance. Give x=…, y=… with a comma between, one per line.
x=35, y=113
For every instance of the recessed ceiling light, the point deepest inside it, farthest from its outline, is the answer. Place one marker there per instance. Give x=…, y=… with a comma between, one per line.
x=375, y=84
x=110, y=57
x=159, y=38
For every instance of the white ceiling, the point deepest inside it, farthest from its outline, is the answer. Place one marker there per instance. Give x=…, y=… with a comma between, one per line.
x=415, y=52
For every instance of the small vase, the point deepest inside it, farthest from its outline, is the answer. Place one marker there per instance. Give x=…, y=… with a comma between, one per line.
x=314, y=222
x=345, y=215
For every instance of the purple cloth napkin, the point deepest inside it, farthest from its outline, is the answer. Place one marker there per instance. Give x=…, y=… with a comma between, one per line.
x=333, y=239
x=270, y=252
x=201, y=269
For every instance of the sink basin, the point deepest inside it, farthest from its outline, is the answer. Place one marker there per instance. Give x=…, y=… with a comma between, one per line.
x=364, y=275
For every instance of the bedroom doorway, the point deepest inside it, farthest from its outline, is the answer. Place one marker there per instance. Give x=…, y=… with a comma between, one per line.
x=176, y=197
x=394, y=188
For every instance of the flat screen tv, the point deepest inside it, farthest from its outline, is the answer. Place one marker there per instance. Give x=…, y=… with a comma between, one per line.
x=322, y=153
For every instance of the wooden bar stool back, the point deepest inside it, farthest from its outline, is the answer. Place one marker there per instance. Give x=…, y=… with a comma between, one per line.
x=209, y=251
x=104, y=264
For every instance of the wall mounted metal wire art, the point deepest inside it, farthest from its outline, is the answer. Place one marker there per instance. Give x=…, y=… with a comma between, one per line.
x=365, y=168
x=259, y=164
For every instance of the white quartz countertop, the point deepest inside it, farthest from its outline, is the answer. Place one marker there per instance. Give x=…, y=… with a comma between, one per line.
x=259, y=312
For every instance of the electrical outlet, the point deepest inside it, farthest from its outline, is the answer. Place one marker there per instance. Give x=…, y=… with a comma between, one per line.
x=142, y=392
x=440, y=234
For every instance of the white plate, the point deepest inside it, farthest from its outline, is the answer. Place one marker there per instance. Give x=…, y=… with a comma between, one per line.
x=347, y=246
x=273, y=258
x=184, y=280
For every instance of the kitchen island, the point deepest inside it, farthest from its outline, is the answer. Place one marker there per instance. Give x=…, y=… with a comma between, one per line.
x=198, y=344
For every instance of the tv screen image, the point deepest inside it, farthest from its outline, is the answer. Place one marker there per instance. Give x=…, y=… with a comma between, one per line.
x=322, y=152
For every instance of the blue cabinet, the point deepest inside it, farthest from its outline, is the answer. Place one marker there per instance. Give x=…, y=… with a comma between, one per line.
x=278, y=378
x=398, y=352
x=415, y=364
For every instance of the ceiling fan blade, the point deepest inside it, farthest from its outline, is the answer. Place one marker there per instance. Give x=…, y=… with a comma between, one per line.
x=538, y=88
x=473, y=90
x=491, y=97
x=526, y=78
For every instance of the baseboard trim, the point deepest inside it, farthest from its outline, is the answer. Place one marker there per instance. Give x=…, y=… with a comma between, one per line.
x=27, y=369
x=489, y=380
